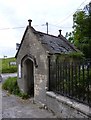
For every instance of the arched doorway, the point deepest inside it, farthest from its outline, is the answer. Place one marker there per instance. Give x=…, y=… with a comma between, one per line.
x=29, y=76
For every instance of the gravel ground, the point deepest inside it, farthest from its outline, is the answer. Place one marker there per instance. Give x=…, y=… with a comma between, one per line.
x=15, y=107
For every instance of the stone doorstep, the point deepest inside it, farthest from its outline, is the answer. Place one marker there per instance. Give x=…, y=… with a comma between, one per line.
x=78, y=106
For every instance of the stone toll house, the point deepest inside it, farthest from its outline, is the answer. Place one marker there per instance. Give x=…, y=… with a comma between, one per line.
x=33, y=67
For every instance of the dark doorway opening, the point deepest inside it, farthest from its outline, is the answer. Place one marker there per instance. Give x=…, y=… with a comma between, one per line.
x=29, y=77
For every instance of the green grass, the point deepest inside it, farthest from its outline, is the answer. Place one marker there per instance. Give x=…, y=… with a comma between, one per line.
x=6, y=68
x=12, y=87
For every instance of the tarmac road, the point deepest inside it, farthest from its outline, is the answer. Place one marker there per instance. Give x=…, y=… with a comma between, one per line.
x=6, y=75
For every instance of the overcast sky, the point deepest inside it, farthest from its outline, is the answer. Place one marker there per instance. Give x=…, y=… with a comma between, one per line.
x=15, y=13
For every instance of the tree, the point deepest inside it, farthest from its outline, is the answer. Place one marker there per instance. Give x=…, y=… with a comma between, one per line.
x=81, y=34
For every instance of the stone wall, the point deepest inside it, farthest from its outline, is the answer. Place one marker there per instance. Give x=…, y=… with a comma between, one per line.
x=31, y=45
x=64, y=107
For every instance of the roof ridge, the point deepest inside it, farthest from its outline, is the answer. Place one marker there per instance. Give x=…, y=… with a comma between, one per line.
x=46, y=34
x=61, y=37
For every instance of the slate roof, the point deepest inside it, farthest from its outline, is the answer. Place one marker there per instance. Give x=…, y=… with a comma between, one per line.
x=55, y=44
x=52, y=44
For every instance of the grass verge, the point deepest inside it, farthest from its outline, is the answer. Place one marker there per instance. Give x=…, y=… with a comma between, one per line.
x=11, y=85
x=6, y=67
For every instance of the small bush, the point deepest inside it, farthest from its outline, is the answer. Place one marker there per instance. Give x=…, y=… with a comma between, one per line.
x=24, y=96
x=11, y=85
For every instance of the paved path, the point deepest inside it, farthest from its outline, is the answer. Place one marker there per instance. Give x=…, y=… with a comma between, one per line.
x=15, y=107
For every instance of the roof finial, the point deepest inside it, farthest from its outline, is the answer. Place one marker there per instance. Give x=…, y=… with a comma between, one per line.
x=30, y=21
x=59, y=33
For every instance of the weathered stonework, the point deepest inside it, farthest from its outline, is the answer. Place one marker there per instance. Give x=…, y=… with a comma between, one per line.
x=41, y=72
x=67, y=108
x=33, y=72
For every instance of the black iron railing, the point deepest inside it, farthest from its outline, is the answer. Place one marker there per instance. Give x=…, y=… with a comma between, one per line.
x=71, y=79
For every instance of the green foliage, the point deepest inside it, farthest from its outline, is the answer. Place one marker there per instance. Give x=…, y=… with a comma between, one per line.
x=0, y=66
x=11, y=85
x=72, y=56
x=69, y=36
x=81, y=36
x=24, y=95
x=78, y=55
x=78, y=85
x=75, y=80
x=6, y=68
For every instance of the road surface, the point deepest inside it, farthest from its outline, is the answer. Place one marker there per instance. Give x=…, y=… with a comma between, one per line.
x=15, y=107
x=6, y=75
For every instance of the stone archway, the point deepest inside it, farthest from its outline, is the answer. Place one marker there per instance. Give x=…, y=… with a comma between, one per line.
x=29, y=76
